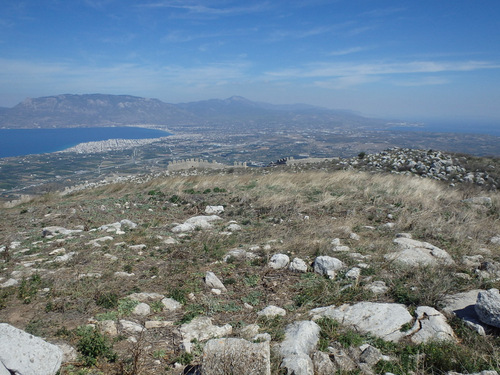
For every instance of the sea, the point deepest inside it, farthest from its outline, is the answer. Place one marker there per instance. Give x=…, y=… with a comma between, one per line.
x=19, y=142
x=457, y=126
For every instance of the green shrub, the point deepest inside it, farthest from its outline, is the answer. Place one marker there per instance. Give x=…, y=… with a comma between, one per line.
x=29, y=288
x=93, y=345
x=107, y=300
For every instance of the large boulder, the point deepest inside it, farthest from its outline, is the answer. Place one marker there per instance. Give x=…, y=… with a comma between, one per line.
x=431, y=325
x=369, y=317
x=488, y=307
x=236, y=356
x=25, y=354
x=463, y=305
x=300, y=341
x=417, y=253
x=201, y=329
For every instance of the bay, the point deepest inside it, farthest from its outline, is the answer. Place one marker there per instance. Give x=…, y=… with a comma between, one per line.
x=18, y=142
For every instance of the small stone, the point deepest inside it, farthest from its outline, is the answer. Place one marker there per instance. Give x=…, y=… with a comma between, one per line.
x=297, y=265
x=326, y=265
x=171, y=304
x=142, y=309
x=214, y=210
x=9, y=282
x=370, y=355
x=354, y=236
x=213, y=281
x=108, y=327
x=272, y=311
x=279, y=261
x=353, y=273
x=233, y=227
x=131, y=327
x=158, y=324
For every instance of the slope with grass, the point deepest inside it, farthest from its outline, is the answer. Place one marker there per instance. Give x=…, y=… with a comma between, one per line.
x=55, y=283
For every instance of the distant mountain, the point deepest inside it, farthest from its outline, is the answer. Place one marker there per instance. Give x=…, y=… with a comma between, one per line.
x=114, y=110
x=92, y=110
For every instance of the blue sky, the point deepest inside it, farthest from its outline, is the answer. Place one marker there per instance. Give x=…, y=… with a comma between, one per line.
x=386, y=58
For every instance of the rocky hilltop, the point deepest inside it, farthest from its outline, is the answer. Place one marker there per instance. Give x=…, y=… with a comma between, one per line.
x=309, y=269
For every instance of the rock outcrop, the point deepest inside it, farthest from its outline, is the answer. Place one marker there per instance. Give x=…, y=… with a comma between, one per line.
x=25, y=354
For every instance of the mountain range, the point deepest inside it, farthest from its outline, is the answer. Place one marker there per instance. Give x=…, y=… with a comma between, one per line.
x=91, y=110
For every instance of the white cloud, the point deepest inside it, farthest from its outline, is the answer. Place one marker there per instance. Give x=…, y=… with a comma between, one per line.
x=205, y=9
x=322, y=69
x=348, y=51
x=424, y=81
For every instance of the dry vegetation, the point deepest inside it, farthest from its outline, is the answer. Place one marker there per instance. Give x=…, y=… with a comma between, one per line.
x=296, y=213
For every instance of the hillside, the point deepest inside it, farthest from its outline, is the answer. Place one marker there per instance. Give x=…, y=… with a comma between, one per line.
x=300, y=262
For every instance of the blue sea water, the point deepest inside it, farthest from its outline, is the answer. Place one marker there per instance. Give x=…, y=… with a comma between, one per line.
x=460, y=127
x=17, y=142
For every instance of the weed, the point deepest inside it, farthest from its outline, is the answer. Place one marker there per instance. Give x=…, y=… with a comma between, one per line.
x=253, y=297
x=184, y=359
x=251, y=280
x=29, y=288
x=36, y=327
x=108, y=300
x=93, y=345
x=274, y=326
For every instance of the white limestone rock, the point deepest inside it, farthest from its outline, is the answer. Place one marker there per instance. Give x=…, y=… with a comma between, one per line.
x=201, y=329
x=213, y=281
x=463, y=306
x=171, y=304
x=22, y=353
x=488, y=307
x=239, y=356
x=145, y=297
x=239, y=253
x=196, y=222
x=130, y=327
x=158, y=324
x=369, y=317
x=142, y=309
x=279, y=261
x=301, y=338
x=214, y=210
x=298, y=265
x=326, y=265
x=417, y=253
x=430, y=325
x=271, y=311
x=233, y=227
x=54, y=230
x=108, y=327
x=354, y=273
x=370, y=355
x=322, y=364
x=377, y=287
x=8, y=283
x=64, y=258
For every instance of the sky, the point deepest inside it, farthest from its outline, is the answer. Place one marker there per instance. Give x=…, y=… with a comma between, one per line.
x=405, y=59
